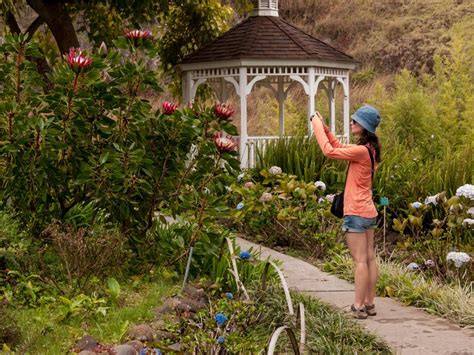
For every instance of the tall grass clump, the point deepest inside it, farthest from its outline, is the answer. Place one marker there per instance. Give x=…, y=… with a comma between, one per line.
x=300, y=156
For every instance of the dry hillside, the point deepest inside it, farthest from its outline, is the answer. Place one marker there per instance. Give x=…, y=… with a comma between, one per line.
x=385, y=34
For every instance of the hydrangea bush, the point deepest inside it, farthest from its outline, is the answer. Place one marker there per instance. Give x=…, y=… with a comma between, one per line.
x=283, y=211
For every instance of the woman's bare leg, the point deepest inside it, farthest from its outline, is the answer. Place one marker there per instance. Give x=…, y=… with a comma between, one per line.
x=372, y=266
x=357, y=243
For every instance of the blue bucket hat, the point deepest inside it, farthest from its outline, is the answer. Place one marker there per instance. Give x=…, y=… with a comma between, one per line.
x=368, y=117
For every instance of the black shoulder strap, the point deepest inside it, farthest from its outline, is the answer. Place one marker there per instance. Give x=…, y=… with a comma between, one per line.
x=371, y=160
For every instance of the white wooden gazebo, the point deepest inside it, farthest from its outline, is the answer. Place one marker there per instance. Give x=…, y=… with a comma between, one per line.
x=267, y=50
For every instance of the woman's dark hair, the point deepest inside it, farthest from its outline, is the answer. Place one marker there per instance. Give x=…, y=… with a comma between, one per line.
x=371, y=139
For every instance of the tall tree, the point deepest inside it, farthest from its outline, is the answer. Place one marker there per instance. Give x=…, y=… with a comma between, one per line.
x=186, y=25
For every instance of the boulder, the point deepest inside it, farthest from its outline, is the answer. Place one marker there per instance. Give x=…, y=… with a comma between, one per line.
x=86, y=343
x=141, y=332
x=137, y=345
x=124, y=349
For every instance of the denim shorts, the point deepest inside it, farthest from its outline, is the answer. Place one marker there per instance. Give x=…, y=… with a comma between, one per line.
x=356, y=224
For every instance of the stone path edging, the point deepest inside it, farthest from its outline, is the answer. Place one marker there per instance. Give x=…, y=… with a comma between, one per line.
x=407, y=330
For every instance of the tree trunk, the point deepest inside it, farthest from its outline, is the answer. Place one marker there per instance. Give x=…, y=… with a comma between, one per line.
x=59, y=22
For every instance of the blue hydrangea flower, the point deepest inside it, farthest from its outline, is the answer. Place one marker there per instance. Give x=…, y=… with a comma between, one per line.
x=416, y=204
x=245, y=255
x=229, y=295
x=240, y=205
x=221, y=339
x=220, y=319
x=158, y=351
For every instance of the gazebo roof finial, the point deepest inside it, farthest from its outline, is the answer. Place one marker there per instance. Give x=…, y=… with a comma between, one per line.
x=265, y=8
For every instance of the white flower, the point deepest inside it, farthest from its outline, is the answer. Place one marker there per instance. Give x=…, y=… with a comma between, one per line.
x=430, y=263
x=330, y=197
x=432, y=200
x=471, y=211
x=432, y=136
x=468, y=221
x=275, y=170
x=240, y=177
x=459, y=258
x=266, y=196
x=466, y=190
x=413, y=266
x=320, y=185
x=416, y=205
x=321, y=200
x=249, y=184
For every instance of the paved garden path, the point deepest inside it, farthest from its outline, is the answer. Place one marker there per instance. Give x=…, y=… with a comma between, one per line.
x=407, y=330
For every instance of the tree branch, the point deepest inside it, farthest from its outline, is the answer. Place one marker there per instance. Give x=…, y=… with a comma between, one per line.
x=12, y=23
x=59, y=22
x=34, y=26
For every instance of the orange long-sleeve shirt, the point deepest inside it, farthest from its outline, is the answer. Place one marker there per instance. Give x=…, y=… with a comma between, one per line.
x=358, y=191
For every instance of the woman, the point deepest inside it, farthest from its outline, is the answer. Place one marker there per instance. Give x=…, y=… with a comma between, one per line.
x=359, y=209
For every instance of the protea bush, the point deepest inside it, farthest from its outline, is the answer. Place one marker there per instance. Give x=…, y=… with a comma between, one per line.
x=93, y=139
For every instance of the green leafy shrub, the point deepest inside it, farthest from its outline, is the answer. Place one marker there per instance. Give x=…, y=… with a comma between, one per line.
x=282, y=210
x=93, y=138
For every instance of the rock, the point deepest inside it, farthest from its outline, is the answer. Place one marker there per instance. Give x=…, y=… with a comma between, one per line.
x=175, y=347
x=142, y=332
x=137, y=345
x=124, y=349
x=162, y=335
x=158, y=324
x=194, y=292
x=168, y=306
x=193, y=305
x=183, y=307
x=86, y=343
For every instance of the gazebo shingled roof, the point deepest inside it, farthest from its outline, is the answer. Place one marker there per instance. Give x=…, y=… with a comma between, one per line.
x=266, y=37
x=269, y=51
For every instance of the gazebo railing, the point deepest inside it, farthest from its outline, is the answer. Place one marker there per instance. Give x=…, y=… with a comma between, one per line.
x=259, y=143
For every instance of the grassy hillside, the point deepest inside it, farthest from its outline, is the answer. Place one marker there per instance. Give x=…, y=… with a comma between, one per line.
x=385, y=34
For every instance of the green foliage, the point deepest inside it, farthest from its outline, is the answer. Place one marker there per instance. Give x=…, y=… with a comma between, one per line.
x=43, y=333
x=113, y=289
x=282, y=210
x=299, y=156
x=9, y=332
x=93, y=138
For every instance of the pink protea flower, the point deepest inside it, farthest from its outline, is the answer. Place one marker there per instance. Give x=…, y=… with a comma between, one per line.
x=224, y=144
x=135, y=35
x=169, y=108
x=223, y=111
x=77, y=60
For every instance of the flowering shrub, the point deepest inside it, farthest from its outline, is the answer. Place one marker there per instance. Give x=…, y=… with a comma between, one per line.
x=430, y=230
x=93, y=139
x=281, y=210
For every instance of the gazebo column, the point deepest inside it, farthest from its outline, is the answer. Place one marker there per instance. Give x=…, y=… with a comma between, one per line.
x=281, y=105
x=311, y=96
x=187, y=87
x=332, y=104
x=243, y=117
x=346, y=108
